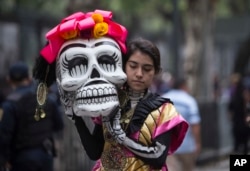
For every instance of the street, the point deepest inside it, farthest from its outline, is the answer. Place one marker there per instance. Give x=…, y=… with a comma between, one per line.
x=220, y=165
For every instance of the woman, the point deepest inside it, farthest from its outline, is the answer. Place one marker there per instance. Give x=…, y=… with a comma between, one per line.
x=150, y=126
x=84, y=55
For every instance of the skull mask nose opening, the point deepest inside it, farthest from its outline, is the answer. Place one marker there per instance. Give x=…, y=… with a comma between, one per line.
x=95, y=74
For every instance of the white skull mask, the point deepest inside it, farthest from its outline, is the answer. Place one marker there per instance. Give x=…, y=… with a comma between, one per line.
x=88, y=74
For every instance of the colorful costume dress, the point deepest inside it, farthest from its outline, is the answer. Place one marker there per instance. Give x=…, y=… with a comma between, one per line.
x=153, y=119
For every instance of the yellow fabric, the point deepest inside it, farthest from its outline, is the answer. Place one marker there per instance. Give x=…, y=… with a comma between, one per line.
x=117, y=158
x=168, y=112
x=112, y=149
x=132, y=165
x=148, y=128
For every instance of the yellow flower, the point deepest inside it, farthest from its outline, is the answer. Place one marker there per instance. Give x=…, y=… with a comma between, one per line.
x=69, y=34
x=98, y=18
x=100, y=29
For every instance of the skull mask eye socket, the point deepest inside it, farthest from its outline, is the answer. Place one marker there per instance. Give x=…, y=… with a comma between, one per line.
x=76, y=66
x=107, y=62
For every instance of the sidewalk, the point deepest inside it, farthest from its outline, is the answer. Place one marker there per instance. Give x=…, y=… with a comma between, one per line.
x=219, y=165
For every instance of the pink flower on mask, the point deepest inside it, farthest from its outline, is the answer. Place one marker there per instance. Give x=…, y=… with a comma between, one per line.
x=90, y=25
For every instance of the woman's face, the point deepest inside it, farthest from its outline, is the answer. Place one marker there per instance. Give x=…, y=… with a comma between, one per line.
x=140, y=71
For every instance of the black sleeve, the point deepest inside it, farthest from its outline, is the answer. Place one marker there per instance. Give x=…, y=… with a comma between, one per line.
x=7, y=128
x=92, y=143
x=157, y=163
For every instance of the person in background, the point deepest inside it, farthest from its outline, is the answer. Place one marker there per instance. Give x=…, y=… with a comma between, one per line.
x=184, y=158
x=2, y=98
x=246, y=83
x=27, y=132
x=238, y=108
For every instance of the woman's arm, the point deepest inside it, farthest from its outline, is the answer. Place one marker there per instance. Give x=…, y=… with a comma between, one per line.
x=154, y=155
x=92, y=143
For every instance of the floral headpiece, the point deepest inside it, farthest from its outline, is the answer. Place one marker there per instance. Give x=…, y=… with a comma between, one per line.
x=90, y=25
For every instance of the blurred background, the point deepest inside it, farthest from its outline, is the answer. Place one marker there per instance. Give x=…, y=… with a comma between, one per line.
x=207, y=41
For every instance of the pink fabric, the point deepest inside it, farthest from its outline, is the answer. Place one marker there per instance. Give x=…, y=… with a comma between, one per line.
x=164, y=168
x=97, y=120
x=97, y=165
x=135, y=135
x=81, y=22
x=179, y=128
x=177, y=120
x=177, y=125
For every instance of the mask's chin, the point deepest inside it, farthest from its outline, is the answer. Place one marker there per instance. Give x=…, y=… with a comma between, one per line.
x=95, y=110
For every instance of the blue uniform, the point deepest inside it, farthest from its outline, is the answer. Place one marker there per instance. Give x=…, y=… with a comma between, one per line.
x=27, y=143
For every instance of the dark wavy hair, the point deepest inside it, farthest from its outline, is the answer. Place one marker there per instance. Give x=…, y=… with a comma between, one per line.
x=144, y=46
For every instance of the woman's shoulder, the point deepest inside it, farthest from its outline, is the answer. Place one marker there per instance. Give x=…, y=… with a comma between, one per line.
x=158, y=98
x=151, y=102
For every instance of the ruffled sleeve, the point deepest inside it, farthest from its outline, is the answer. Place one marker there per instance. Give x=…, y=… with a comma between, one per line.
x=170, y=119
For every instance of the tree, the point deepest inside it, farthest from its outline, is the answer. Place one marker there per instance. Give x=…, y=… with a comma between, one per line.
x=198, y=48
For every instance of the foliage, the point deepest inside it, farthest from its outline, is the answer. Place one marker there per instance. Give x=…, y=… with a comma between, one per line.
x=151, y=16
x=53, y=8
x=137, y=8
x=229, y=8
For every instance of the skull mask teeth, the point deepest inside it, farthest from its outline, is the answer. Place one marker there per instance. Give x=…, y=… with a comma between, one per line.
x=96, y=95
x=88, y=74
